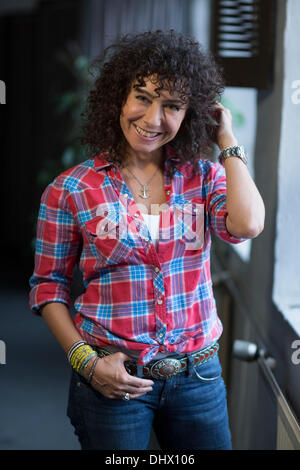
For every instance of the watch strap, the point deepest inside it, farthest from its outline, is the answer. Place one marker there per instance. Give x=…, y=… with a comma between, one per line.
x=233, y=151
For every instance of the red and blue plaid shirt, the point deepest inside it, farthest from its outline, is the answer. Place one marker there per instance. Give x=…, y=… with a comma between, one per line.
x=136, y=297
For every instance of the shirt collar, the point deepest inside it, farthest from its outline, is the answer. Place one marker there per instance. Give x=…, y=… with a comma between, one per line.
x=101, y=161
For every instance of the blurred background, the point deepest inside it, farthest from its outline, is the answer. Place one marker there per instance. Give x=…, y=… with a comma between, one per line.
x=46, y=47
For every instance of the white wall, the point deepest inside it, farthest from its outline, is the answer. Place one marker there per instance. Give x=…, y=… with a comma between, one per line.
x=200, y=21
x=286, y=288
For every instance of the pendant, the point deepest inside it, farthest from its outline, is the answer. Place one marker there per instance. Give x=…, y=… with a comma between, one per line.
x=144, y=194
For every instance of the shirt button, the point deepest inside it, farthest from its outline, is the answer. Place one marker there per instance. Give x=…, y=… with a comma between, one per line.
x=126, y=195
x=146, y=239
x=156, y=269
x=160, y=335
x=159, y=301
x=136, y=215
x=168, y=192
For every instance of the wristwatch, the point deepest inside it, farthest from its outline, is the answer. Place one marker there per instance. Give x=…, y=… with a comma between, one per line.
x=234, y=151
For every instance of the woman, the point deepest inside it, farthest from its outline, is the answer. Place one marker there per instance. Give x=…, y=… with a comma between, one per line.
x=137, y=217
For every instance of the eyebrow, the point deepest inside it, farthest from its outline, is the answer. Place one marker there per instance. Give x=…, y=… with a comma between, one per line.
x=168, y=100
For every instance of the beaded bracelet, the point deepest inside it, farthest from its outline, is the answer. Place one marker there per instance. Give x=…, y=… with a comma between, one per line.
x=86, y=362
x=73, y=348
x=92, y=369
x=79, y=355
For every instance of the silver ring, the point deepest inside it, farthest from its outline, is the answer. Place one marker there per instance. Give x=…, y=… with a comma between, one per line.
x=126, y=397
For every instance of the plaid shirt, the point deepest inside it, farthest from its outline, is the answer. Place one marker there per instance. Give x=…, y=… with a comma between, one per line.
x=136, y=297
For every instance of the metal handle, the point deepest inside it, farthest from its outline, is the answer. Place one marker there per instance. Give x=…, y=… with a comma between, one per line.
x=247, y=351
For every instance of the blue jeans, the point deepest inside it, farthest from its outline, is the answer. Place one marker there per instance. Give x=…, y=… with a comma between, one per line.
x=187, y=411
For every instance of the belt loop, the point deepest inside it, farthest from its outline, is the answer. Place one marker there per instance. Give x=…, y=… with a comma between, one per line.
x=139, y=372
x=190, y=365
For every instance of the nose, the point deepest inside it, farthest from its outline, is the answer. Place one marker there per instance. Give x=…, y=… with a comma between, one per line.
x=153, y=116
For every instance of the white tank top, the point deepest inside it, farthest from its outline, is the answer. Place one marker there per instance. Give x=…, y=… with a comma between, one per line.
x=152, y=222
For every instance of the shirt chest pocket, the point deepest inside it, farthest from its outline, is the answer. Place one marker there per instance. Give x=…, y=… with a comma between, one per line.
x=108, y=236
x=189, y=218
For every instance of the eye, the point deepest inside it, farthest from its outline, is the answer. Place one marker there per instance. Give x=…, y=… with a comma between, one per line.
x=142, y=98
x=173, y=107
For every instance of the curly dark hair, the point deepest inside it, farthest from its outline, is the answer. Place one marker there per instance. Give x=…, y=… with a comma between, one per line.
x=180, y=64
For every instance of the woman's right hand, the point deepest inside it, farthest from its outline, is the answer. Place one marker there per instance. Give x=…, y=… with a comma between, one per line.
x=112, y=379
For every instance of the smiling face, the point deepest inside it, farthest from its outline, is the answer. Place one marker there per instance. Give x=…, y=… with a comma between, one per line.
x=149, y=120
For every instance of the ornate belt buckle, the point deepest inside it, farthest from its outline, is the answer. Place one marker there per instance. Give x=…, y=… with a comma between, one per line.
x=165, y=368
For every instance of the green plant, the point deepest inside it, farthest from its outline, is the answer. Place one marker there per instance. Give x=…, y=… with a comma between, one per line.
x=238, y=119
x=69, y=105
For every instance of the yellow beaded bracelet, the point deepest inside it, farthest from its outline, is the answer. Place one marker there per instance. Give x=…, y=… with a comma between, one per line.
x=76, y=364
x=86, y=362
x=80, y=356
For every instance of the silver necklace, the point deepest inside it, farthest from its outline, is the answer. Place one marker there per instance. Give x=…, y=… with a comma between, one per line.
x=144, y=194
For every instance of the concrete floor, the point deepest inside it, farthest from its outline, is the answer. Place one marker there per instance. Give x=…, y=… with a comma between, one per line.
x=34, y=381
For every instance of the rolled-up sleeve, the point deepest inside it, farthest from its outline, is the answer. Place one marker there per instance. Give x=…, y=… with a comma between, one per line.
x=217, y=212
x=57, y=248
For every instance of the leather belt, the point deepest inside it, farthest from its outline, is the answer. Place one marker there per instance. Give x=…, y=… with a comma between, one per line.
x=165, y=368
